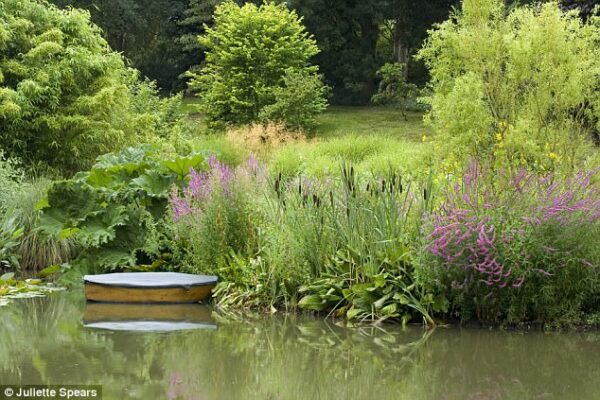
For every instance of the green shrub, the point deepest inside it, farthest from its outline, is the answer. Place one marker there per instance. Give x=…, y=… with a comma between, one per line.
x=11, y=178
x=331, y=244
x=516, y=247
x=249, y=50
x=65, y=97
x=301, y=98
x=518, y=85
x=393, y=89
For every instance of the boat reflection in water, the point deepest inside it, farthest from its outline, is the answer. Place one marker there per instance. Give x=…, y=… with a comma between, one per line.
x=148, y=317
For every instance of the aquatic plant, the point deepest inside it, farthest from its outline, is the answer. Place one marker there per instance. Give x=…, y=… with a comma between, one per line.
x=511, y=244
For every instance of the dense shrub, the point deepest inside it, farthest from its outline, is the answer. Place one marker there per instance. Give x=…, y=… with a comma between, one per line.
x=11, y=177
x=65, y=97
x=519, y=85
x=301, y=98
x=516, y=247
x=253, y=53
x=213, y=214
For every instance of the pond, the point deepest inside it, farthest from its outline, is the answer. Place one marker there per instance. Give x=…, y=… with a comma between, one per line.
x=191, y=352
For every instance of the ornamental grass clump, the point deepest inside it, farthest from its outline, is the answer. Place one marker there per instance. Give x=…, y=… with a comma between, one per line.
x=518, y=247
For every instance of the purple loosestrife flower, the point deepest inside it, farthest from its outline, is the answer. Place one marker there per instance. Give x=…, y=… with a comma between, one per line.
x=180, y=205
x=478, y=222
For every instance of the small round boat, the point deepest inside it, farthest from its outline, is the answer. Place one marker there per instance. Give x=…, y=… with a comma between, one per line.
x=148, y=287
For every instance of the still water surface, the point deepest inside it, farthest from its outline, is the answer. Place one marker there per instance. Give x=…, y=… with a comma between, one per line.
x=190, y=352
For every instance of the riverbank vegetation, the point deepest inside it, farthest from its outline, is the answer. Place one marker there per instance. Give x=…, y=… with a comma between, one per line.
x=475, y=197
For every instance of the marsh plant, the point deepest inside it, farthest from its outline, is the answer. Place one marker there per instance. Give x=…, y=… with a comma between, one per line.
x=516, y=246
x=337, y=245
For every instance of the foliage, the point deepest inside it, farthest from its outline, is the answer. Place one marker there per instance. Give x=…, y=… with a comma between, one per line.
x=113, y=210
x=157, y=37
x=212, y=214
x=393, y=88
x=516, y=247
x=517, y=85
x=11, y=177
x=336, y=245
x=35, y=251
x=9, y=240
x=298, y=102
x=249, y=51
x=369, y=154
x=65, y=97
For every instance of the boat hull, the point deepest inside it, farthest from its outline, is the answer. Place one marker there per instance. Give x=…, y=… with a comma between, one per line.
x=115, y=294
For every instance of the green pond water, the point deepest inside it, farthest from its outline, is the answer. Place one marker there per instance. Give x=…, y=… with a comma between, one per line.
x=191, y=352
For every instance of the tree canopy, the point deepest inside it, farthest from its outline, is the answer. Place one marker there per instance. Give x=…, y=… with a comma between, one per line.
x=65, y=96
x=249, y=52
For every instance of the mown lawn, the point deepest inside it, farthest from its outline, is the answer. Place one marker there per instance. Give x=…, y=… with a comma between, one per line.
x=343, y=121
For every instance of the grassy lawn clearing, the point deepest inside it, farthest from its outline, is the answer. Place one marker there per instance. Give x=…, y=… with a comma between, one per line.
x=374, y=139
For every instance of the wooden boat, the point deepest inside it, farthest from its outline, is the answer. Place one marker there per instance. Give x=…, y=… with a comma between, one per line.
x=148, y=287
x=147, y=317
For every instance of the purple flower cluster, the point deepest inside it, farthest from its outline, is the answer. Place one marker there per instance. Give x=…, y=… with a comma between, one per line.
x=202, y=185
x=480, y=219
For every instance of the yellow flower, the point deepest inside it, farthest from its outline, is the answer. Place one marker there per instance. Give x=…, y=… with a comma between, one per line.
x=424, y=138
x=552, y=156
x=499, y=137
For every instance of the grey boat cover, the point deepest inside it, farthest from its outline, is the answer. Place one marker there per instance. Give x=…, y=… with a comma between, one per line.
x=151, y=280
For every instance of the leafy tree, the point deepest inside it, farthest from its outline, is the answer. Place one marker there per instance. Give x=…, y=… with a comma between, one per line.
x=301, y=98
x=347, y=32
x=519, y=84
x=406, y=25
x=65, y=97
x=249, y=51
x=146, y=33
x=394, y=90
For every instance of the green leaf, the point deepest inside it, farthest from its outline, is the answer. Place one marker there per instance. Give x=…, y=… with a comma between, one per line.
x=181, y=165
x=154, y=184
x=100, y=228
x=312, y=302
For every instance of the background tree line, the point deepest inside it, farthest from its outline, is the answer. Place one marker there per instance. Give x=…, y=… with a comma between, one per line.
x=356, y=37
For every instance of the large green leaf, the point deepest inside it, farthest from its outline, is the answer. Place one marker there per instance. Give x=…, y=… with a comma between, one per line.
x=181, y=165
x=100, y=228
x=154, y=184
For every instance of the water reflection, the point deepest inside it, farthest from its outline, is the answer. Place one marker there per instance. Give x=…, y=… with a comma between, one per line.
x=147, y=317
x=43, y=341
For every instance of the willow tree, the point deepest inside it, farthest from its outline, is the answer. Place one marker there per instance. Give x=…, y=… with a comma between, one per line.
x=518, y=85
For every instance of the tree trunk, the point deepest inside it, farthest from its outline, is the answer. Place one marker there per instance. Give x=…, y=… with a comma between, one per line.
x=400, y=53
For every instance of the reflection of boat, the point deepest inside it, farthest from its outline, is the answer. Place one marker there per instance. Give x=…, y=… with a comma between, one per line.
x=148, y=287
x=147, y=317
